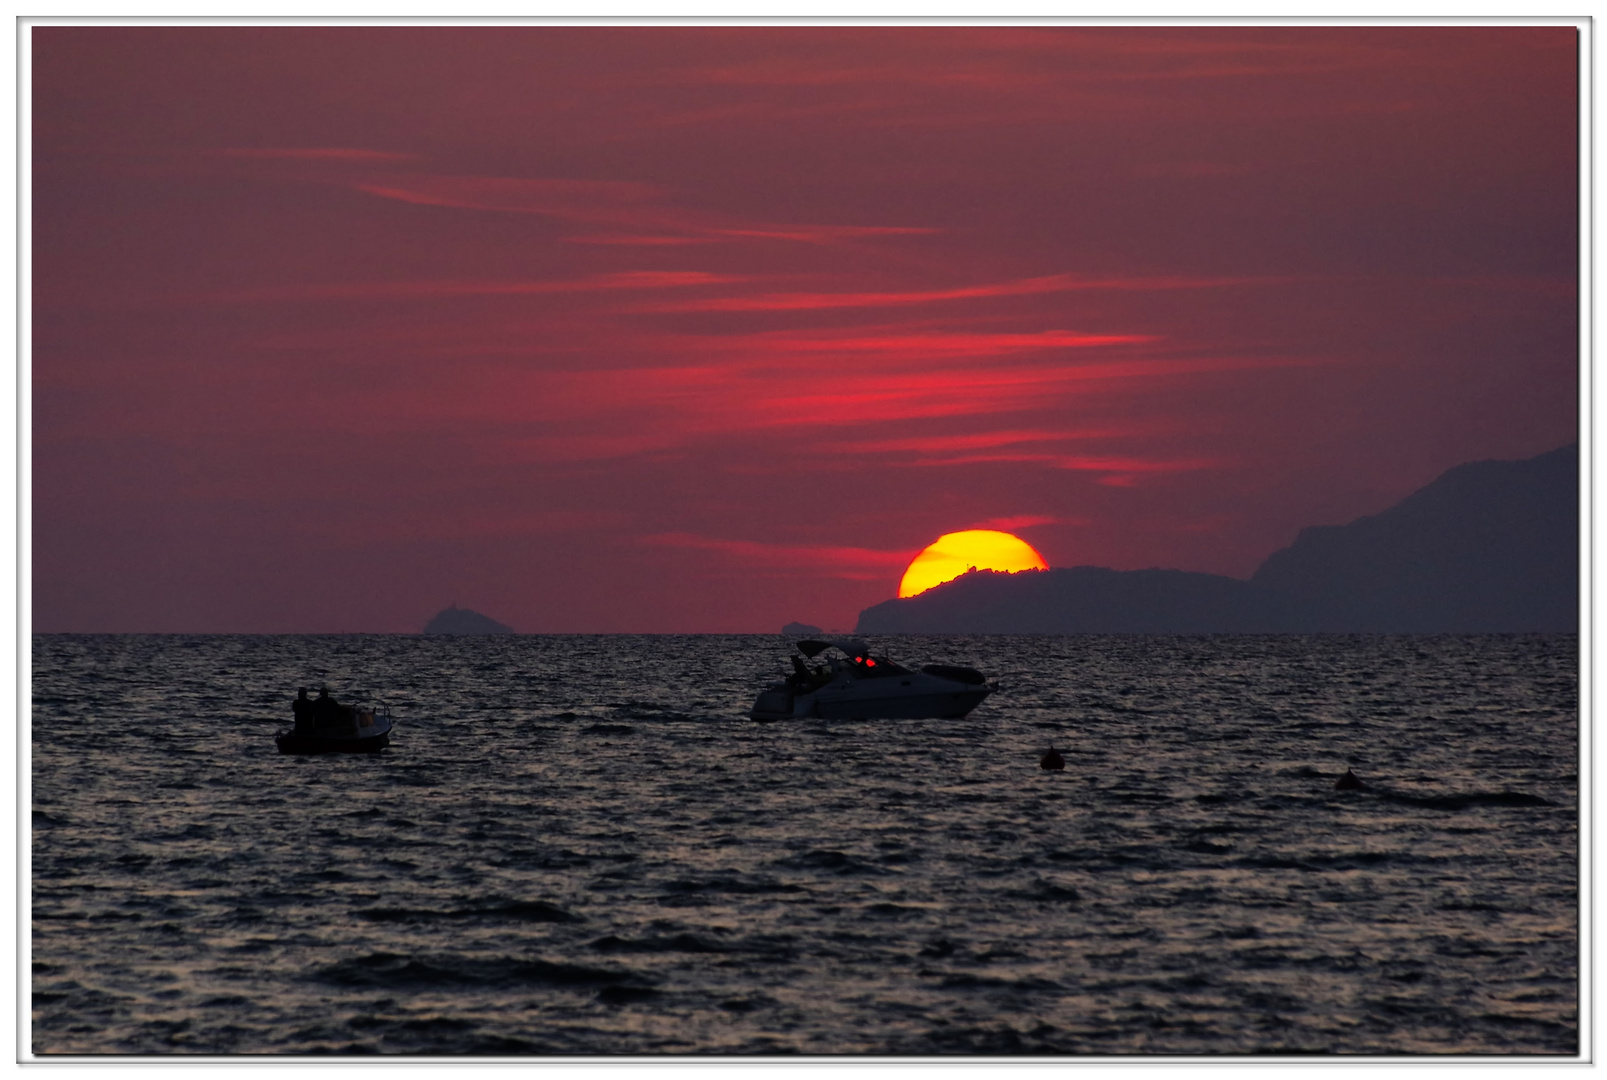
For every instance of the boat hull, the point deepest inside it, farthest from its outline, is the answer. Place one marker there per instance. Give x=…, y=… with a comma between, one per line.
x=858, y=685
x=311, y=744
x=290, y=742
x=936, y=704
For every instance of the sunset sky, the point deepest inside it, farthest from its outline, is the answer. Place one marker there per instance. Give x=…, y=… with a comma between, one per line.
x=697, y=329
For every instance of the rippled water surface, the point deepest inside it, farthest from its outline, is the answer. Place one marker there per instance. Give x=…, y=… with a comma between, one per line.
x=580, y=845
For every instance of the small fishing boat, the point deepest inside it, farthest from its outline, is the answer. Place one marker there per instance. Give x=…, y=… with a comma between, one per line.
x=851, y=683
x=340, y=729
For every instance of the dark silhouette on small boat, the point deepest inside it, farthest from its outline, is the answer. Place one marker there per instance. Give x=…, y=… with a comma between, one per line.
x=1350, y=782
x=325, y=726
x=1052, y=760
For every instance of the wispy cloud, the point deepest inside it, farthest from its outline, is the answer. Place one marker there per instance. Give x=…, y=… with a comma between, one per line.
x=818, y=234
x=1024, y=521
x=640, y=240
x=955, y=76
x=843, y=389
x=582, y=200
x=925, y=346
x=1012, y=65
x=621, y=212
x=689, y=388
x=313, y=153
x=354, y=531
x=1024, y=447
x=635, y=207
x=423, y=290
x=851, y=563
x=814, y=301
x=980, y=440
x=1117, y=471
x=1132, y=465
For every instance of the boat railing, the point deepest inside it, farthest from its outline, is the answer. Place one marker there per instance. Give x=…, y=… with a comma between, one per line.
x=370, y=715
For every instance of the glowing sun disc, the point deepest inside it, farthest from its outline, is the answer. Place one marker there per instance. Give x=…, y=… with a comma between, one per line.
x=952, y=554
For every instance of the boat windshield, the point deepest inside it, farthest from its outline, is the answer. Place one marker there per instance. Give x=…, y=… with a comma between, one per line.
x=872, y=667
x=864, y=663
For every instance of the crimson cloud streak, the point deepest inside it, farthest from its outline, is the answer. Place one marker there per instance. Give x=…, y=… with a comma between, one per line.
x=685, y=329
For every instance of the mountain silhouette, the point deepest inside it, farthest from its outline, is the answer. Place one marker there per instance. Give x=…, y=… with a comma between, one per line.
x=456, y=620
x=1488, y=547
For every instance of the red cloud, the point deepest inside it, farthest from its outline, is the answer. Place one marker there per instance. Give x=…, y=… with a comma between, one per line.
x=1023, y=521
x=940, y=443
x=621, y=204
x=423, y=290
x=702, y=387
x=315, y=153
x=585, y=200
x=1024, y=287
x=925, y=347
x=820, y=234
x=1134, y=465
x=852, y=563
x=644, y=240
x=1031, y=60
x=1120, y=471
x=839, y=390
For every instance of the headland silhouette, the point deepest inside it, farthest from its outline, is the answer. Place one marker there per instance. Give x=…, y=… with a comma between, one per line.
x=1488, y=547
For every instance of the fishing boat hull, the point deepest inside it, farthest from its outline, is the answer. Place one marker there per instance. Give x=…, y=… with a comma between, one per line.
x=359, y=731
x=291, y=743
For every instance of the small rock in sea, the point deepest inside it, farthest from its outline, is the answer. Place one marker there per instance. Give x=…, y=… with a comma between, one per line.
x=1350, y=782
x=1052, y=760
x=456, y=620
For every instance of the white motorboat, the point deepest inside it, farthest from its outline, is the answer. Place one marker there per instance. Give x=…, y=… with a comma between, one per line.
x=849, y=682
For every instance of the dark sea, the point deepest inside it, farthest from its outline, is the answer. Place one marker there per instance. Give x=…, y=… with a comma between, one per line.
x=582, y=846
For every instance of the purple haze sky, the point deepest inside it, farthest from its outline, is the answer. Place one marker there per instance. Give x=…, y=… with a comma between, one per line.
x=682, y=329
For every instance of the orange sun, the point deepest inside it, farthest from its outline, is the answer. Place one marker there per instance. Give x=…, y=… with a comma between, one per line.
x=955, y=553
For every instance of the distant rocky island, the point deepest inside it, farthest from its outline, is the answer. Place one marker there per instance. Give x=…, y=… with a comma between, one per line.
x=801, y=629
x=456, y=620
x=1488, y=547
